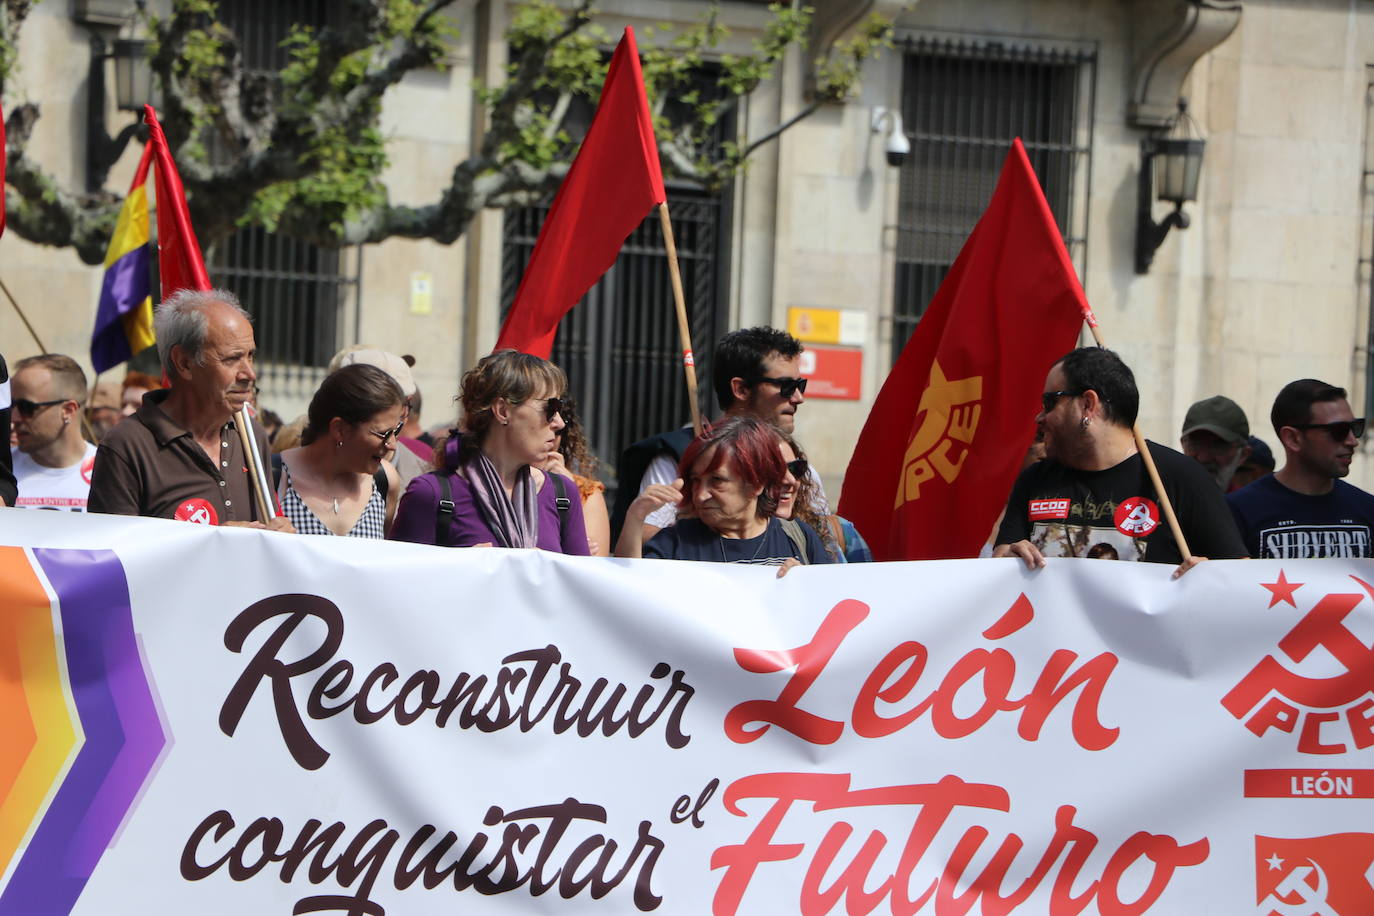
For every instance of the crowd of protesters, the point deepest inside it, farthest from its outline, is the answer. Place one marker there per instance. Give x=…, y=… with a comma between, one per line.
x=515, y=471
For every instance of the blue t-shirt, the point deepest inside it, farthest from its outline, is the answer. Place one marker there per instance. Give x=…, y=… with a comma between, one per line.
x=1279, y=523
x=689, y=539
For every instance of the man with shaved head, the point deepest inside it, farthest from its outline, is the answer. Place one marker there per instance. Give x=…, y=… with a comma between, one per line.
x=180, y=456
x=52, y=462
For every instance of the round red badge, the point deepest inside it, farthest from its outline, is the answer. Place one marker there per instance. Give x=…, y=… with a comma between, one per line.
x=197, y=511
x=87, y=467
x=1136, y=516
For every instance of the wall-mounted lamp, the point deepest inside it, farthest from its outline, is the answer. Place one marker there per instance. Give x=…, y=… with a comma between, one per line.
x=898, y=146
x=133, y=89
x=1170, y=166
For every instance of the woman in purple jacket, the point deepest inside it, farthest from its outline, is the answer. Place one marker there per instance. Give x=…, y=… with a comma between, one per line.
x=486, y=492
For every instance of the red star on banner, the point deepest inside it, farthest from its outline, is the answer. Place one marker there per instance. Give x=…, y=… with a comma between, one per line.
x=1282, y=590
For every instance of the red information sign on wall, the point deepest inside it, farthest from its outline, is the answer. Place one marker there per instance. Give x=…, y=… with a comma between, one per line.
x=833, y=372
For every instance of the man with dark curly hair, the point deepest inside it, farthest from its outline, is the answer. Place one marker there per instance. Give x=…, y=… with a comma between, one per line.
x=754, y=372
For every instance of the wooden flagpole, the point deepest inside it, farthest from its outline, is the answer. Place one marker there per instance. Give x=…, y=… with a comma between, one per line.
x=689, y=367
x=22, y=317
x=1164, y=502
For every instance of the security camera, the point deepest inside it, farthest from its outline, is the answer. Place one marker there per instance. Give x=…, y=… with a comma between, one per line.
x=898, y=146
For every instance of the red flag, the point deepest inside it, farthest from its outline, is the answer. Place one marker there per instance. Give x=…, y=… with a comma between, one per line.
x=613, y=184
x=179, y=260
x=947, y=433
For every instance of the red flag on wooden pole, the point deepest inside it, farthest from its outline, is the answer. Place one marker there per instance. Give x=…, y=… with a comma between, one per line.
x=179, y=260
x=946, y=435
x=613, y=184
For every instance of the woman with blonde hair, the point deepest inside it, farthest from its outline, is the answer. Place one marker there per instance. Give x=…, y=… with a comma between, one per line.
x=488, y=490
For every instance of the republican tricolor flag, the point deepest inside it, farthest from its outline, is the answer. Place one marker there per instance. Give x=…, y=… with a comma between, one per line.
x=124, y=317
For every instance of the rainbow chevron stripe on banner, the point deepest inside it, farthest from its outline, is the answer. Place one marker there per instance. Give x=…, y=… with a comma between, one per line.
x=124, y=317
x=81, y=725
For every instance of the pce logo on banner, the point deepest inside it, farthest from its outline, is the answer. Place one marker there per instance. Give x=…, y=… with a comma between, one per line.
x=1329, y=707
x=1315, y=876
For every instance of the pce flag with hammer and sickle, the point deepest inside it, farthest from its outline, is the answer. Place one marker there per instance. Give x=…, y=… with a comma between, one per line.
x=947, y=432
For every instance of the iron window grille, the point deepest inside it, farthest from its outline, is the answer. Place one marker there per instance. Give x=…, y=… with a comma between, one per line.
x=964, y=99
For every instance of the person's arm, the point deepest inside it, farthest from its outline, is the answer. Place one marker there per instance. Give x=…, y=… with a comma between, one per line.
x=632, y=537
x=598, y=519
x=116, y=488
x=574, y=533
x=393, y=495
x=417, y=512
x=1013, y=536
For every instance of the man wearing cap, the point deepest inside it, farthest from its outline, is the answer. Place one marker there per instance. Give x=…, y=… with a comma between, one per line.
x=1216, y=435
x=180, y=454
x=1260, y=462
x=1304, y=510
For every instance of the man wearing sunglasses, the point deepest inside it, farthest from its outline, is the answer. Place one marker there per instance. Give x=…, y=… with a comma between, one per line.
x=52, y=462
x=1304, y=509
x=755, y=372
x=8, y=490
x=1092, y=497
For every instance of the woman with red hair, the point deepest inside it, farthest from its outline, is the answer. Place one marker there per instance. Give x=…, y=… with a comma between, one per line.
x=732, y=478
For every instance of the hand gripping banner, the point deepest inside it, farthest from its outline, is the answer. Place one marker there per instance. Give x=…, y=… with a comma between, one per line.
x=220, y=721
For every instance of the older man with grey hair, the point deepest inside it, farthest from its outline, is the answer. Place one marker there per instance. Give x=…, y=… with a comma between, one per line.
x=180, y=456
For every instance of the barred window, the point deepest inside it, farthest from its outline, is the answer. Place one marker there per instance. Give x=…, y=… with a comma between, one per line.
x=964, y=99
x=296, y=291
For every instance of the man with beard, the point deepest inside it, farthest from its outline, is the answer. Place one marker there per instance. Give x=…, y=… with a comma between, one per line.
x=1305, y=509
x=1216, y=434
x=179, y=455
x=1092, y=491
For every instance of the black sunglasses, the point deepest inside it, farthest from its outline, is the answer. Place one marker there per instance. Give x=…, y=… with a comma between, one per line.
x=389, y=434
x=1338, y=430
x=1051, y=398
x=786, y=386
x=552, y=407
x=26, y=408
x=797, y=467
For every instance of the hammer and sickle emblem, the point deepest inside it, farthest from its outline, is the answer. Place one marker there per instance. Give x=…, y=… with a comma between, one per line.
x=1311, y=900
x=951, y=410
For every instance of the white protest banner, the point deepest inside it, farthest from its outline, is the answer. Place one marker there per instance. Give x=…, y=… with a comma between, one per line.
x=219, y=721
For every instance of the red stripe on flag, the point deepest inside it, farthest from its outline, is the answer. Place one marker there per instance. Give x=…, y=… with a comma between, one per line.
x=179, y=260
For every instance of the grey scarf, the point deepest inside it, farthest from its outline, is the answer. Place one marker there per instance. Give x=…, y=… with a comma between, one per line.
x=513, y=519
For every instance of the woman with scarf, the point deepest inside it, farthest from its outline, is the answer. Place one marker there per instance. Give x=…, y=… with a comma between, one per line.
x=488, y=490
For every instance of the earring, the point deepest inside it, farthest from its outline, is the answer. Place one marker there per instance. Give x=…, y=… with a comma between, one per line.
x=66, y=421
x=1084, y=424
x=338, y=443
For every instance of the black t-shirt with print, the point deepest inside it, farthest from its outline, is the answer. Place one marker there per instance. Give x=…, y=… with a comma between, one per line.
x=1115, y=515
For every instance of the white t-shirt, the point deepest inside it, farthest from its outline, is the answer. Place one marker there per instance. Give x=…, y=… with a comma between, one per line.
x=53, y=488
x=663, y=469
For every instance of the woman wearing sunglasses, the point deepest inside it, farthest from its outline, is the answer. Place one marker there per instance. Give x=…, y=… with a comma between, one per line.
x=734, y=476
x=488, y=490
x=338, y=481
x=800, y=500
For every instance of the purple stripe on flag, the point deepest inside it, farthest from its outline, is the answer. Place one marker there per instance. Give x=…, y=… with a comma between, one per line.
x=122, y=733
x=127, y=283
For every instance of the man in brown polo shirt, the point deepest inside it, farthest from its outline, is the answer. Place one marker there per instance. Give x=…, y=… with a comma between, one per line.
x=179, y=456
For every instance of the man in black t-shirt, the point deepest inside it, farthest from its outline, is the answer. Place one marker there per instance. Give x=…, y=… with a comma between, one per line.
x=1304, y=509
x=1092, y=496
